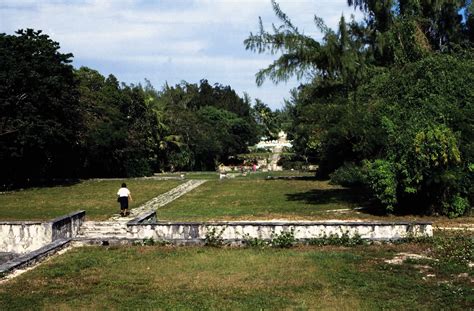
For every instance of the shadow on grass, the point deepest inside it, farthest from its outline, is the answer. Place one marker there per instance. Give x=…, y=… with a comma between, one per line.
x=326, y=196
x=291, y=178
x=351, y=197
x=39, y=183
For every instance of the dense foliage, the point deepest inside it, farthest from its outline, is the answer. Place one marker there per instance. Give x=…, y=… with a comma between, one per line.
x=202, y=125
x=389, y=102
x=40, y=119
x=59, y=122
x=121, y=132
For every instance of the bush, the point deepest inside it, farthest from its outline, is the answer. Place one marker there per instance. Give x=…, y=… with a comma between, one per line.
x=383, y=182
x=213, y=237
x=457, y=207
x=285, y=239
x=289, y=162
x=349, y=175
x=255, y=242
x=334, y=239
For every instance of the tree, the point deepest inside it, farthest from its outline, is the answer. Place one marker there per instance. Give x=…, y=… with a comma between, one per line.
x=192, y=113
x=405, y=30
x=266, y=119
x=387, y=104
x=122, y=129
x=339, y=56
x=40, y=121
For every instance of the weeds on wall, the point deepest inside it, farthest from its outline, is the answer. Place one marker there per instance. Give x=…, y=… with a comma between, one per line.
x=333, y=239
x=255, y=242
x=213, y=237
x=285, y=239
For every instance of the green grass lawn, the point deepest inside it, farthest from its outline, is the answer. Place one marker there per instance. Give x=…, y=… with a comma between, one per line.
x=249, y=175
x=96, y=197
x=258, y=199
x=189, y=278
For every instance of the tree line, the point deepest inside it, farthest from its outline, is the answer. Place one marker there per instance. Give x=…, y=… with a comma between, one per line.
x=389, y=102
x=59, y=122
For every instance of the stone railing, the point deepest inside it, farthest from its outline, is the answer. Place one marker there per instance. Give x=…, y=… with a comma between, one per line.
x=26, y=236
x=195, y=232
x=145, y=218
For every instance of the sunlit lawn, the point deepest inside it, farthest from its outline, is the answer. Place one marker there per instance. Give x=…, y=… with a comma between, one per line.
x=191, y=278
x=97, y=198
x=259, y=199
x=238, y=175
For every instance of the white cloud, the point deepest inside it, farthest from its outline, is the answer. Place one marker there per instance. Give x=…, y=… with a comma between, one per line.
x=191, y=38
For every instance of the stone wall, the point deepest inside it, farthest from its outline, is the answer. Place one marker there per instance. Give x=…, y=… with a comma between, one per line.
x=26, y=236
x=303, y=230
x=67, y=226
x=23, y=236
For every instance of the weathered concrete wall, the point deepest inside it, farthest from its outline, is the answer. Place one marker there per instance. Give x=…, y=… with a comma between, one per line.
x=26, y=236
x=145, y=218
x=67, y=226
x=23, y=237
x=237, y=231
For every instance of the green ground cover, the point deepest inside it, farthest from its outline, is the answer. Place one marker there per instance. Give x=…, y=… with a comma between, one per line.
x=257, y=198
x=96, y=197
x=164, y=277
x=210, y=175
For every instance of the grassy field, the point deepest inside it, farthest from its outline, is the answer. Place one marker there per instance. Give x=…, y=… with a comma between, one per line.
x=209, y=175
x=259, y=198
x=241, y=198
x=96, y=197
x=161, y=277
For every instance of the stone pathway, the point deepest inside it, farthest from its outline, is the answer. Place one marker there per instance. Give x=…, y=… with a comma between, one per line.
x=115, y=227
x=458, y=227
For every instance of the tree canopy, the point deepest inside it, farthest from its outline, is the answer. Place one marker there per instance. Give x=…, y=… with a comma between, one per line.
x=58, y=122
x=41, y=120
x=387, y=102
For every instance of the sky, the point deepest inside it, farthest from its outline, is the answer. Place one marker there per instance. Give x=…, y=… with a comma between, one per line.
x=169, y=41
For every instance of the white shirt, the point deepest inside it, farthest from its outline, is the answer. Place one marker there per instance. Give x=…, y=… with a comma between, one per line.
x=123, y=192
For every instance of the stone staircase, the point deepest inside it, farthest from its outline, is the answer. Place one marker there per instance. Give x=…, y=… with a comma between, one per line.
x=95, y=230
x=115, y=228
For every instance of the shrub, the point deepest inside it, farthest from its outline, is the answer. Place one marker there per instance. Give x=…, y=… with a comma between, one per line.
x=255, y=242
x=383, y=182
x=349, y=175
x=291, y=161
x=213, y=237
x=334, y=239
x=458, y=206
x=285, y=239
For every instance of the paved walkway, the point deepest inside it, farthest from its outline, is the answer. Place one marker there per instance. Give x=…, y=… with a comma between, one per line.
x=116, y=227
x=160, y=200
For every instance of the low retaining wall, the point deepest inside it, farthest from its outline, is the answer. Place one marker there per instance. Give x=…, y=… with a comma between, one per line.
x=26, y=236
x=239, y=231
x=145, y=218
x=67, y=226
x=33, y=257
x=23, y=236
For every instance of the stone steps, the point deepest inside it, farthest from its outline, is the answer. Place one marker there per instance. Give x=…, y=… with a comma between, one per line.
x=116, y=226
x=105, y=229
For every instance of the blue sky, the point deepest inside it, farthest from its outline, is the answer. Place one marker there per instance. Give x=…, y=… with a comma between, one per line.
x=169, y=40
